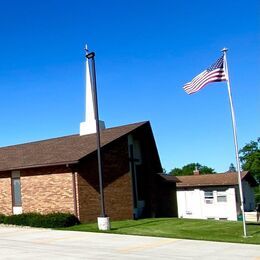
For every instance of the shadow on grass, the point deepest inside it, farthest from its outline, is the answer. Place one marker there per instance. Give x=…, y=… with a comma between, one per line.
x=140, y=223
x=253, y=224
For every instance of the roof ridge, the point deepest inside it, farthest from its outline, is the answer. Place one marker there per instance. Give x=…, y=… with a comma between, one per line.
x=72, y=135
x=63, y=149
x=211, y=174
x=137, y=123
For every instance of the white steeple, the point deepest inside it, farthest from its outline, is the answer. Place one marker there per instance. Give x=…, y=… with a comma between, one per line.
x=89, y=125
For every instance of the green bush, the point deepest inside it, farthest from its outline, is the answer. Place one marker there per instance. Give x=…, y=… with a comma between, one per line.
x=51, y=220
x=2, y=217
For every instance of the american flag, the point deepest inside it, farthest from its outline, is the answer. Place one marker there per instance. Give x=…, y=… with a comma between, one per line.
x=214, y=73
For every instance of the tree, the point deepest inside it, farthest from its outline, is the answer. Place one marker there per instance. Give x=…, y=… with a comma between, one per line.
x=189, y=168
x=250, y=158
x=232, y=168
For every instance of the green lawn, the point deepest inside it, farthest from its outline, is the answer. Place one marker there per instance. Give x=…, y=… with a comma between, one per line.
x=213, y=230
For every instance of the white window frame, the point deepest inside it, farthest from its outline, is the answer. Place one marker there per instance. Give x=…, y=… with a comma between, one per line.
x=208, y=198
x=221, y=194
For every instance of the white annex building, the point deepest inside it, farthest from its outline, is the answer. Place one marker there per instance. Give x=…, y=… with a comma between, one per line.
x=214, y=196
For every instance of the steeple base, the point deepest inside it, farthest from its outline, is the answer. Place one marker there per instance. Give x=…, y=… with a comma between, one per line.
x=89, y=127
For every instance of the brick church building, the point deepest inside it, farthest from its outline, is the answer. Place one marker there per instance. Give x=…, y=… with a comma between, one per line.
x=60, y=175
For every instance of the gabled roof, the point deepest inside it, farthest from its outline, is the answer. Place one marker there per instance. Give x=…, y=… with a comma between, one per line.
x=217, y=179
x=58, y=151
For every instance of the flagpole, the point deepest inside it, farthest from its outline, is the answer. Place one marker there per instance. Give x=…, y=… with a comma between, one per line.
x=235, y=140
x=103, y=220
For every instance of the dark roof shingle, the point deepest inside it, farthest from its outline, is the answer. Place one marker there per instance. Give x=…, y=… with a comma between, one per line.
x=62, y=150
x=217, y=179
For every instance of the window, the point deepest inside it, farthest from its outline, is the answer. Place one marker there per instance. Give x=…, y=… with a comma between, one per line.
x=16, y=189
x=208, y=196
x=221, y=196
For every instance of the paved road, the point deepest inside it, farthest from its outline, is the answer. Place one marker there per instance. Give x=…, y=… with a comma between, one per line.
x=32, y=243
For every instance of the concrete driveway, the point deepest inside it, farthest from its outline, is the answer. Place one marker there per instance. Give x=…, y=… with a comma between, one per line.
x=33, y=243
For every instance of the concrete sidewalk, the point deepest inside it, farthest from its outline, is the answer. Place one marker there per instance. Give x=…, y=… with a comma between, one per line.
x=33, y=243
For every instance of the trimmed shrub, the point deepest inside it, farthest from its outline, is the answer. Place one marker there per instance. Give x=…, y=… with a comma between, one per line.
x=2, y=217
x=55, y=220
x=51, y=220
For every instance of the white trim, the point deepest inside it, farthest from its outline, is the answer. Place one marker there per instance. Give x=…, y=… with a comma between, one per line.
x=17, y=210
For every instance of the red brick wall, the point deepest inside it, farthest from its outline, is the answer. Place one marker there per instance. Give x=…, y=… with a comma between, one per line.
x=150, y=167
x=50, y=188
x=117, y=184
x=47, y=190
x=43, y=190
x=5, y=193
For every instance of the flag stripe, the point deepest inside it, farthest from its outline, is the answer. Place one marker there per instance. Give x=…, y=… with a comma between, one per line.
x=199, y=87
x=214, y=73
x=196, y=79
x=200, y=77
x=205, y=79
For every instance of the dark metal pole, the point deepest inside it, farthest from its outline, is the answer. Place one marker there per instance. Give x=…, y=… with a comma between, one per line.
x=100, y=173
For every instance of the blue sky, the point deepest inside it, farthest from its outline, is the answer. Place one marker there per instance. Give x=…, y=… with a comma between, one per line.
x=145, y=52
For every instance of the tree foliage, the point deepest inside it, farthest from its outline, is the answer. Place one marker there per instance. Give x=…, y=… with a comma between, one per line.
x=189, y=168
x=250, y=158
x=232, y=168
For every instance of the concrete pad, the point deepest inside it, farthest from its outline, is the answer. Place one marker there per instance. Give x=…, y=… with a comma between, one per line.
x=34, y=243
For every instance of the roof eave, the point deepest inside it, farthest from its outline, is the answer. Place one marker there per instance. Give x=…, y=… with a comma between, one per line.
x=40, y=165
x=204, y=185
